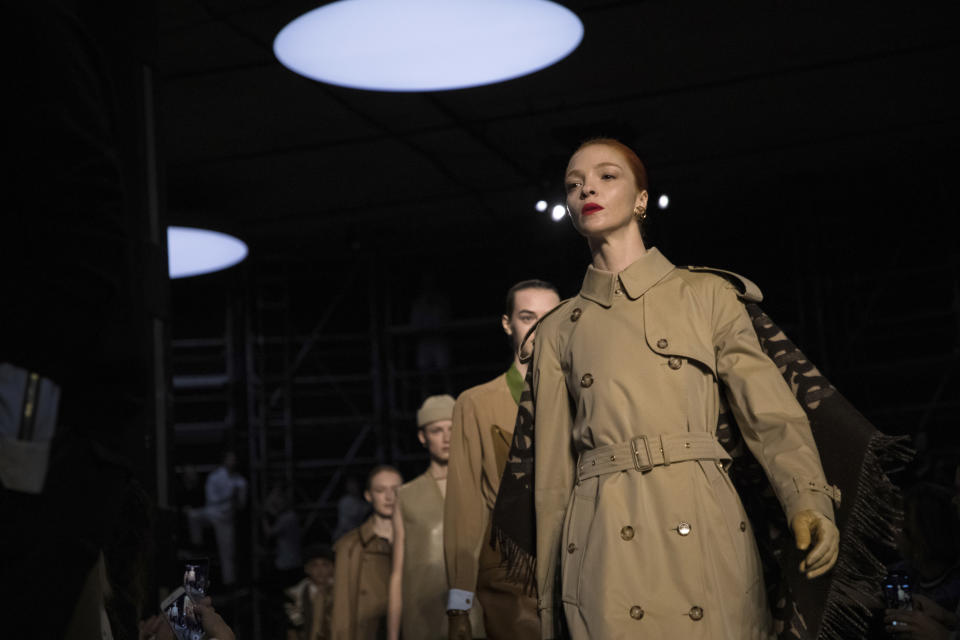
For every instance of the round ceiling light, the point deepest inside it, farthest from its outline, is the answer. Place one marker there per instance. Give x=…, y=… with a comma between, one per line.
x=194, y=252
x=427, y=45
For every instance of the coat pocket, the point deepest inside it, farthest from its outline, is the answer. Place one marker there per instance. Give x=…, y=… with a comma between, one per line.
x=580, y=516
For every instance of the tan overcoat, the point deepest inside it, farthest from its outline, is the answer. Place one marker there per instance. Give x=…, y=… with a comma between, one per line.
x=424, y=581
x=360, y=584
x=483, y=421
x=630, y=487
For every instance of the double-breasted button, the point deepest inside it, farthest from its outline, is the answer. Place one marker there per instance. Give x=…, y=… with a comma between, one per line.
x=683, y=528
x=571, y=548
x=575, y=314
x=743, y=526
x=627, y=533
x=662, y=343
x=586, y=380
x=696, y=613
x=675, y=363
x=636, y=612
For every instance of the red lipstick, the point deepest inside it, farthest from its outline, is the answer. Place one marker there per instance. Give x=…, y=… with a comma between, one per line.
x=590, y=208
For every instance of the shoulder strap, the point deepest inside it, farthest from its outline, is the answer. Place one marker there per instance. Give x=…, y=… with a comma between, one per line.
x=748, y=291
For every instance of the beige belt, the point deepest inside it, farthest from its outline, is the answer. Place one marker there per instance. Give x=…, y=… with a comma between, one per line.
x=643, y=453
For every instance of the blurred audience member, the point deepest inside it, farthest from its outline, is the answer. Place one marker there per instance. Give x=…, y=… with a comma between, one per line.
x=352, y=509
x=158, y=628
x=226, y=493
x=281, y=525
x=362, y=565
x=929, y=620
x=928, y=543
x=309, y=605
x=429, y=313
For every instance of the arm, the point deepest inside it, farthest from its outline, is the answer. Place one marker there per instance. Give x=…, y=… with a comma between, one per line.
x=553, y=469
x=466, y=516
x=776, y=429
x=395, y=596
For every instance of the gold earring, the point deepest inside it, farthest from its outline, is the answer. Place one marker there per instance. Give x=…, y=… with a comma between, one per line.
x=640, y=213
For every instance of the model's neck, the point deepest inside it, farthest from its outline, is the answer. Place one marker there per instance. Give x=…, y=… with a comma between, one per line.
x=617, y=250
x=383, y=527
x=437, y=470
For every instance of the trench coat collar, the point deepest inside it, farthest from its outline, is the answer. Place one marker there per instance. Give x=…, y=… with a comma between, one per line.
x=647, y=271
x=367, y=534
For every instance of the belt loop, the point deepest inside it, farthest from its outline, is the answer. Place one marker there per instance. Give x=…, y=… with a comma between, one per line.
x=663, y=452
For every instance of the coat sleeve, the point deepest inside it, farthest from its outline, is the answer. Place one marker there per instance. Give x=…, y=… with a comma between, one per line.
x=553, y=468
x=465, y=516
x=773, y=423
x=342, y=620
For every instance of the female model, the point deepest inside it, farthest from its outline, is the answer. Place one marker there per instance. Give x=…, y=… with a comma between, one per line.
x=630, y=484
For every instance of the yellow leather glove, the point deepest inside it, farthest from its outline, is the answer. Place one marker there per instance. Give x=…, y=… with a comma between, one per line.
x=460, y=626
x=811, y=526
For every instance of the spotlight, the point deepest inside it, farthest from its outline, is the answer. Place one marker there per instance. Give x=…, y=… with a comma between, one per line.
x=663, y=201
x=541, y=205
x=193, y=252
x=558, y=212
x=426, y=45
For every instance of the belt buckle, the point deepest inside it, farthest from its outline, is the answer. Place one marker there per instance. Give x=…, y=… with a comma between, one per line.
x=642, y=468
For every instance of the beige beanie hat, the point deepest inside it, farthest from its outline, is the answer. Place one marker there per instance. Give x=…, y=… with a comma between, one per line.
x=435, y=408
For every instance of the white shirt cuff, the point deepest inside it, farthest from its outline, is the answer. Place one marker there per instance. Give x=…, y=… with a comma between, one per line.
x=460, y=600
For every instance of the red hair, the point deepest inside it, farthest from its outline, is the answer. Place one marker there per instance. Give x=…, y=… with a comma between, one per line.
x=633, y=160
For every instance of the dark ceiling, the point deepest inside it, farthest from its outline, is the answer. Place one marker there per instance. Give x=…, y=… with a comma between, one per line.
x=810, y=145
x=719, y=99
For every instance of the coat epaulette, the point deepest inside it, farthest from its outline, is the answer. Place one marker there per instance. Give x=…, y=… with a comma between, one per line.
x=523, y=354
x=747, y=290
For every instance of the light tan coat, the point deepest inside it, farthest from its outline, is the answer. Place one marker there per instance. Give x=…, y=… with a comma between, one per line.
x=666, y=552
x=360, y=583
x=424, y=614
x=483, y=421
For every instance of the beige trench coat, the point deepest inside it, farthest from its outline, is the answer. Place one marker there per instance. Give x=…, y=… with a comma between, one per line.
x=665, y=551
x=483, y=421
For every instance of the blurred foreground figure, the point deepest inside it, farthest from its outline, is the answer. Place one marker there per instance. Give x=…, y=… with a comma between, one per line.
x=72, y=370
x=483, y=422
x=418, y=582
x=362, y=564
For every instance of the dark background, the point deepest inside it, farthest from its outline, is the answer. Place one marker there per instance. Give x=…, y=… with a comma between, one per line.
x=811, y=146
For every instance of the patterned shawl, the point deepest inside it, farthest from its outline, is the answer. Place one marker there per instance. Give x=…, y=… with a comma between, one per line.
x=855, y=456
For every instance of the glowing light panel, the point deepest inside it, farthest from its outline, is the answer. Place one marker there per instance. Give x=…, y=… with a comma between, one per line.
x=427, y=45
x=541, y=205
x=194, y=252
x=664, y=201
x=558, y=212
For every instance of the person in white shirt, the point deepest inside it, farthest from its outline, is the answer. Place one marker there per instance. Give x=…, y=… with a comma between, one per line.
x=226, y=492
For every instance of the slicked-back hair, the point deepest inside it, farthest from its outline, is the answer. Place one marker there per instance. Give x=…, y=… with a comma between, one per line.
x=636, y=166
x=526, y=284
x=380, y=468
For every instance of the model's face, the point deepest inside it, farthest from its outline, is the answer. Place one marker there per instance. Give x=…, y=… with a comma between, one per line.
x=435, y=436
x=602, y=192
x=529, y=305
x=382, y=494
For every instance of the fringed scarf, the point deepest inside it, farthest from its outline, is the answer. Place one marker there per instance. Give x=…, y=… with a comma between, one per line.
x=855, y=456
